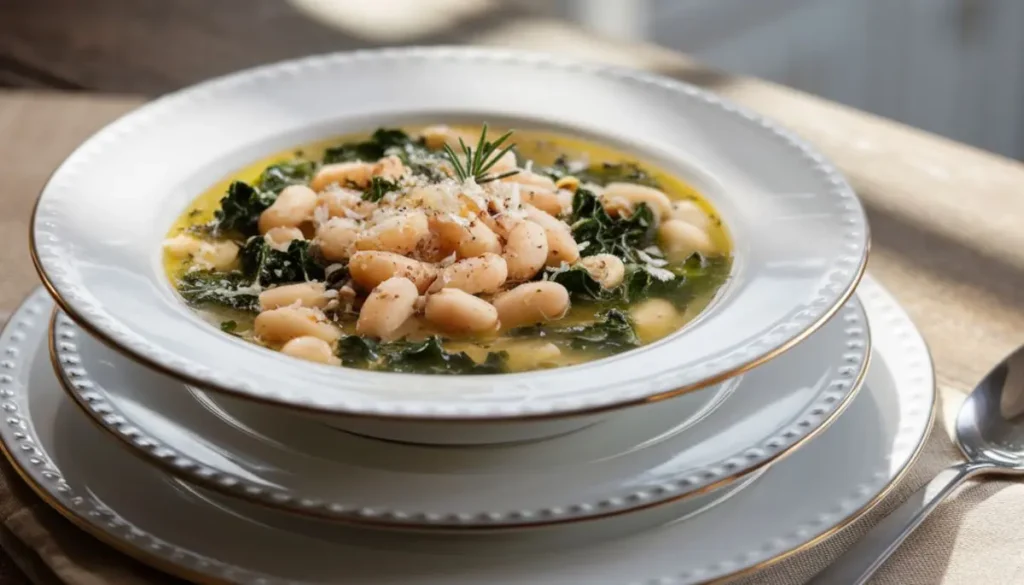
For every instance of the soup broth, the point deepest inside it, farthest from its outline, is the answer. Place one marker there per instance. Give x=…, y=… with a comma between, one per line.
x=449, y=250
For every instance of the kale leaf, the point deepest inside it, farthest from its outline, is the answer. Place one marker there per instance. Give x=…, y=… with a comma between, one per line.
x=376, y=147
x=240, y=209
x=598, y=233
x=422, y=357
x=261, y=266
x=283, y=174
x=612, y=331
x=268, y=266
x=636, y=284
x=388, y=141
x=231, y=289
x=358, y=351
x=602, y=173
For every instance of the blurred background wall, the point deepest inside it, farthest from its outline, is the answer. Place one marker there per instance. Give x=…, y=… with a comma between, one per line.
x=954, y=67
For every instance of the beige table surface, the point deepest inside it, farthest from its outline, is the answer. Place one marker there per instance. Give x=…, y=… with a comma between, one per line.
x=947, y=233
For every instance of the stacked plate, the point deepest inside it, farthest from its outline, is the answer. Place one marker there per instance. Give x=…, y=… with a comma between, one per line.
x=755, y=432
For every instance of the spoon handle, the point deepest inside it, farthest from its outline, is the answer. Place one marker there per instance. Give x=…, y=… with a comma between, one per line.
x=856, y=565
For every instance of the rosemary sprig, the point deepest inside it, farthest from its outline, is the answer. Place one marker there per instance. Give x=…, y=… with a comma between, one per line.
x=480, y=160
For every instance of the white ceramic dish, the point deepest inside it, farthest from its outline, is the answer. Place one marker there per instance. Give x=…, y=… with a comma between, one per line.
x=641, y=458
x=799, y=231
x=83, y=473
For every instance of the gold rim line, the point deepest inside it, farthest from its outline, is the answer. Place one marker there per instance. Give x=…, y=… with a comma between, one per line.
x=209, y=483
x=860, y=512
x=141, y=555
x=162, y=564
x=149, y=363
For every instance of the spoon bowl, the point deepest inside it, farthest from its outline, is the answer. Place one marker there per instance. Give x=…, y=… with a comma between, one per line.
x=990, y=424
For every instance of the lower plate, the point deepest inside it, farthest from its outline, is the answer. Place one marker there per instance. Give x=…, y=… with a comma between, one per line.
x=147, y=514
x=644, y=457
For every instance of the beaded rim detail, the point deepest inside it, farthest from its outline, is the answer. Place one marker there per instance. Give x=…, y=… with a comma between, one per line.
x=813, y=418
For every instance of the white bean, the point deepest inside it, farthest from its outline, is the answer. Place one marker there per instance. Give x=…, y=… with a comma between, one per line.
x=390, y=167
x=654, y=319
x=622, y=198
x=387, y=308
x=547, y=200
x=345, y=203
x=431, y=249
x=399, y=233
x=607, y=269
x=561, y=245
x=481, y=274
x=526, y=250
x=336, y=239
x=524, y=177
x=538, y=190
x=501, y=224
x=530, y=303
x=306, y=294
x=280, y=238
x=208, y=255
x=370, y=268
x=294, y=206
x=182, y=246
x=432, y=198
x=466, y=240
x=690, y=212
x=460, y=313
x=531, y=355
x=287, y=323
x=347, y=174
x=219, y=255
x=478, y=239
x=506, y=163
x=312, y=349
x=681, y=239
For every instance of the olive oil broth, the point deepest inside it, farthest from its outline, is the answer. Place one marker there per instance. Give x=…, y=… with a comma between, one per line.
x=659, y=312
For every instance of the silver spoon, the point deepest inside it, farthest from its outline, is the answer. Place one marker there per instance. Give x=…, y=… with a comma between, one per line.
x=989, y=431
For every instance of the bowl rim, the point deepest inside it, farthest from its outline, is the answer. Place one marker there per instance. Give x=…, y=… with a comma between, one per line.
x=821, y=314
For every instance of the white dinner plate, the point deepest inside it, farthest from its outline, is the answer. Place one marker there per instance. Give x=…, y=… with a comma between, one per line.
x=638, y=458
x=139, y=509
x=799, y=232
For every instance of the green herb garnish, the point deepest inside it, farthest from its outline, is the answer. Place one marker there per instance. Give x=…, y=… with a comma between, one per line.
x=479, y=161
x=379, y=187
x=228, y=326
